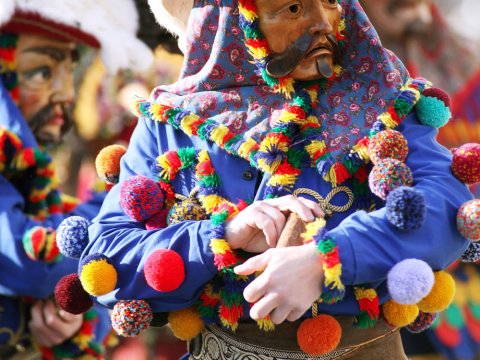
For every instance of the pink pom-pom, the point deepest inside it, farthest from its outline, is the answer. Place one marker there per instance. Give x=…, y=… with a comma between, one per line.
x=387, y=144
x=164, y=270
x=468, y=220
x=388, y=175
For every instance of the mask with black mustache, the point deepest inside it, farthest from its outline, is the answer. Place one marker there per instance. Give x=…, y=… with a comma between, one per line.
x=43, y=116
x=283, y=64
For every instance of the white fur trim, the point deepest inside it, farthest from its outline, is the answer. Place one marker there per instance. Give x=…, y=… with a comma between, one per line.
x=173, y=15
x=113, y=23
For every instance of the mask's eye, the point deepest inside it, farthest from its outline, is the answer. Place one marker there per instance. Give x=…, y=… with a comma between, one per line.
x=331, y=2
x=294, y=9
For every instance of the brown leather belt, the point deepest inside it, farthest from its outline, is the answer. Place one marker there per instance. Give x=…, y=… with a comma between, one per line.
x=379, y=342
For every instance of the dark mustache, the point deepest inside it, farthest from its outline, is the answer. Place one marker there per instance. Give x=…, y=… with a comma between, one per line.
x=283, y=64
x=44, y=115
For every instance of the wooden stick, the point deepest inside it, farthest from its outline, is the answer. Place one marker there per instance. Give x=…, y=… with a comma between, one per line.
x=291, y=233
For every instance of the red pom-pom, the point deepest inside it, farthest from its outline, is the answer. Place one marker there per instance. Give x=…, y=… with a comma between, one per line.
x=107, y=163
x=466, y=163
x=141, y=198
x=319, y=335
x=439, y=94
x=164, y=270
x=70, y=295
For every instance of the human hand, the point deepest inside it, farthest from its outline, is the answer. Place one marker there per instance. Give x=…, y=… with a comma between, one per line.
x=50, y=325
x=290, y=283
x=258, y=227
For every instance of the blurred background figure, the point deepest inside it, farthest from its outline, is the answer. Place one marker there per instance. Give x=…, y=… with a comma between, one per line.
x=445, y=50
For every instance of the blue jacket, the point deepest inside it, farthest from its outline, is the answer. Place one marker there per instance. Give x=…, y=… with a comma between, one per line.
x=369, y=246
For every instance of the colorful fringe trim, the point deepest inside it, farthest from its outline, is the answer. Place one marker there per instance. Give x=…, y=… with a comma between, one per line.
x=8, y=64
x=333, y=289
x=369, y=307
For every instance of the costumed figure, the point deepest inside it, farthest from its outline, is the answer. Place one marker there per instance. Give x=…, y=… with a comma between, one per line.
x=284, y=110
x=38, y=41
x=420, y=36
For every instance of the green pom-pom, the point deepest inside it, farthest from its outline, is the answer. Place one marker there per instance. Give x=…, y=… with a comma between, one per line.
x=433, y=112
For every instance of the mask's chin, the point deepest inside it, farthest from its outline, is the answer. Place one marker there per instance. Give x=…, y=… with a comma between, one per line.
x=314, y=68
x=48, y=137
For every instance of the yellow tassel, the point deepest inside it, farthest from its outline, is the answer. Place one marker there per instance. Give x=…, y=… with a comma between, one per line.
x=268, y=167
x=250, y=16
x=337, y=69
x=286, y=89
x=186, y=123
x=210, y=202
x=163, y=163
x=315, y=146
x=203, y=156
x=386, y=119
x=361, y=293
x=219, y=246
x=155, y=110
x=285, y=180
x=341, y=25
x=258, y=53
x=331, y=176
x=311, y=229
x=313, y=95
x=286, y=117
x=266, y=324
x=219, y=133
x=362, y=152
x=246, y=148
x=332, y=277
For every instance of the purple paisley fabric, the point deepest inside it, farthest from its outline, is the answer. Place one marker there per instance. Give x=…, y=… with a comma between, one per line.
x=218, y=79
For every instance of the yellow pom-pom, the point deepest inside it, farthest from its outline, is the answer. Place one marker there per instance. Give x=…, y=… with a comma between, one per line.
x=185, y=323
x=398, y=314
x=441, y=294
x=97, y=275
x=107, y=163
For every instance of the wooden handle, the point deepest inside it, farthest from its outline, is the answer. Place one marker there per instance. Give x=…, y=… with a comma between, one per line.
x=291, y=233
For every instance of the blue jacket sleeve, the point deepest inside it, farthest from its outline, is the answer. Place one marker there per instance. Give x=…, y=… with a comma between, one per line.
x=369, y=246
x=128, y=244
x=19, y=275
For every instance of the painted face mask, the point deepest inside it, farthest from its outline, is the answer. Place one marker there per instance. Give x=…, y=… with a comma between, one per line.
x=301, y=37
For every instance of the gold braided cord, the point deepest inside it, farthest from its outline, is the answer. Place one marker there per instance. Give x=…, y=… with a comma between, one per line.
x=325, y=204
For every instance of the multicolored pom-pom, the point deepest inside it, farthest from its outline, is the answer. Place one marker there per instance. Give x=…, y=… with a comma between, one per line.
x=388, y=175
x=72, y=236
x=387, y=144
x=422, y=322
x=466, y=163
x=186, y=323
x=186, y=210
x=107, y=163
x=472, y=254
x=410, y=281
x=164, y=270
x=70, y=295
x=131, y=317
x=157, y=221
x=399, y=315
x=433, y=108
x=405, y=208
x=468, y=220
x=319, y=335
x=40, y=244
x=98, y=275
x=141, y=198
x=441, y=294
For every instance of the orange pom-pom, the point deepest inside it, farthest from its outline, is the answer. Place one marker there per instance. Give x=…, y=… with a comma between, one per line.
x=319, y=335
x=107, y=163
x=441, y=295
x=185, y=323
x=398, y=314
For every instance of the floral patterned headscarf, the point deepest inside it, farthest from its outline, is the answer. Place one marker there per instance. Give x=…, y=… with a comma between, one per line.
x=219, y=80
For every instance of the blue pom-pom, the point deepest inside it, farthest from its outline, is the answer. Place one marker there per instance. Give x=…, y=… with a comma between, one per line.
x=405, y=208
x=433, y=112
x=410, y=281
x=72, y=236
x=472, y=254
